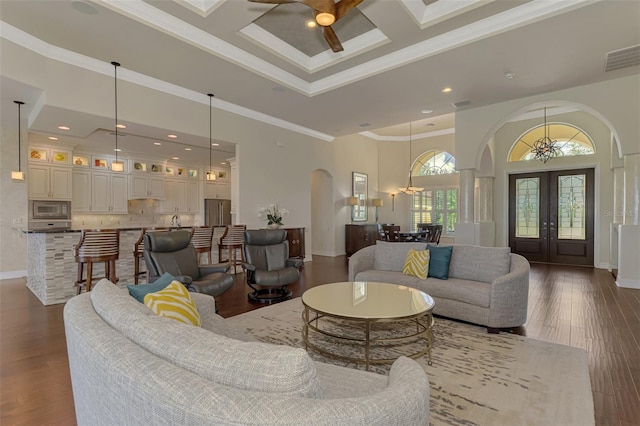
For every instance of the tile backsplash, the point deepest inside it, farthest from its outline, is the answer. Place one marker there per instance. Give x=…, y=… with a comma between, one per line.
x=141, y=213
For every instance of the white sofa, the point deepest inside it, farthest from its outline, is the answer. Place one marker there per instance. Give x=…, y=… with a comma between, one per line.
x=487, y=285
x=132, y=367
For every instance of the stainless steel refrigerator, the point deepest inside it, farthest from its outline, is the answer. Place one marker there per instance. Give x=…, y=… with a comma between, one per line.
x=217, y=212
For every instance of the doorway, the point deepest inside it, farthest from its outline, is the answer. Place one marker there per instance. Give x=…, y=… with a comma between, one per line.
x=551, y=216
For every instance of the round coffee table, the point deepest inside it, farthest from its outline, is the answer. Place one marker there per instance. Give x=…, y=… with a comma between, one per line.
x=367, y=303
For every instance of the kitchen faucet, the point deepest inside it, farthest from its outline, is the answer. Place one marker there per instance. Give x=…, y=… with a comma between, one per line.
x=175, y=220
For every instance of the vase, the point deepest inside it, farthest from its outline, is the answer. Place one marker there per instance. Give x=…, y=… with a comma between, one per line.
x=274, y=226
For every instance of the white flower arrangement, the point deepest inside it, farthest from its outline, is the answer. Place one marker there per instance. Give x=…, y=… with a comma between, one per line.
x=273, y=214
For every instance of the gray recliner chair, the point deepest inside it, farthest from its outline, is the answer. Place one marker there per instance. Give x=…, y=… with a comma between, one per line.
x=267, y=265
x=173, y=252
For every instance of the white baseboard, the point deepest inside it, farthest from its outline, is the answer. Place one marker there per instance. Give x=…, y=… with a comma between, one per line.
x=13, y=274
x=326, y=253
x=626, y=283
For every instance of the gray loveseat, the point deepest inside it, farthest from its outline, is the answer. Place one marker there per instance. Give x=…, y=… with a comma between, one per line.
x=132, y=367
x=487, y=285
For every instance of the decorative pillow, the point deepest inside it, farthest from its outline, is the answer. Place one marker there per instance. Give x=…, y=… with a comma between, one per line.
x=174, y=302
x=416, y=263
x=440, y=257
x=140, y=291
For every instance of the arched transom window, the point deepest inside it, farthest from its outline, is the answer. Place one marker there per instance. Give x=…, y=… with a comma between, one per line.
x=570, y=141
x=435, y=162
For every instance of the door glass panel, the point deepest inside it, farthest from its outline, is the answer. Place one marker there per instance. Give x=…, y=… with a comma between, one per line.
x=571, y=211
x=528, y=208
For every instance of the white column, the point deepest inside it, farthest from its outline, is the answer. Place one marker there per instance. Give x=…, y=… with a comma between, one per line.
x=465, y=199
x=465, y=228
x=631, y=189
x=485, y=199
x=629, y=235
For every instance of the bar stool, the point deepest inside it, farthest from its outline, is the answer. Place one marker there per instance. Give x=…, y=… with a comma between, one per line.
x=201, y=238
x=97, y=245
x=232, y=241
x=218, y=232
x=138, y=252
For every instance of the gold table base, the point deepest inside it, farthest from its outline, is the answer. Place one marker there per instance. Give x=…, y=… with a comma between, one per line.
x=424, y=331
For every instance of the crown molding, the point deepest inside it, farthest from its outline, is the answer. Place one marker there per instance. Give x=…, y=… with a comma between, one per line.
x=203, y=8
x=439, y=11
x=19, y=37
x=381, y=138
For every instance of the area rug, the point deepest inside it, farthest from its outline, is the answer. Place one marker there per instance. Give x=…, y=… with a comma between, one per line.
x=476, y=378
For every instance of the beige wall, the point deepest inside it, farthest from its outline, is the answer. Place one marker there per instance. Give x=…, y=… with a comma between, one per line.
x=13, y=205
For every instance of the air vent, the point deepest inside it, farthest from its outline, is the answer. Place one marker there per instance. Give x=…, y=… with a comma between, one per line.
x=627, y=57
x=461, y=104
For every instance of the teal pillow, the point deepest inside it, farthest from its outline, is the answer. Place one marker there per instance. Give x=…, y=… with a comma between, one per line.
x=439, y=259
x=140, y=291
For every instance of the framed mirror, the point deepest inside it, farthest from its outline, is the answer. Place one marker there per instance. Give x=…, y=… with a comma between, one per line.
x=360, y=188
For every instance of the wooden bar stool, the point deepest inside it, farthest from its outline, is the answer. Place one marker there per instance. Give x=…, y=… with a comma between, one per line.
x=95, y=246
x=232, y=241
x=138, y=252
x=201, y=238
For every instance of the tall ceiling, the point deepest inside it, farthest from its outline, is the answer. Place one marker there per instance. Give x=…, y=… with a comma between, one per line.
x=262, y=60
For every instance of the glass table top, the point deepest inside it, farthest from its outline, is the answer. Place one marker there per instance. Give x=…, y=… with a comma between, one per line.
x=367, y=300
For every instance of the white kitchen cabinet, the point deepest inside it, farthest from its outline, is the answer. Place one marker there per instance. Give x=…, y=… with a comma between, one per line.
x=99, y=192
x=47, y=182
x=217, y=190
x=181, y=196
x=141, y=186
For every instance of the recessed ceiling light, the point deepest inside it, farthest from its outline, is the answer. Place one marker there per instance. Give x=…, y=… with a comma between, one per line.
x=172, y=136
x=311, y=23
x=447, y=90
x=175, y=158
x=187, y=149
x=64, y=128
x=223, y=163
x=426, y=111
x=53, y=138
x=215, y=144
x=121, y=126
x=509, y=75
x=157, y=143
x=117, y=149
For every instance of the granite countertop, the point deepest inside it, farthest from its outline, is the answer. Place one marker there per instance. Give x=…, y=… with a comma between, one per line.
x=120, y=227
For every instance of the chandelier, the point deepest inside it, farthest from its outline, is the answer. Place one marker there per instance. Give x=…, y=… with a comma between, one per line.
x=544, y=149
x=410, y=189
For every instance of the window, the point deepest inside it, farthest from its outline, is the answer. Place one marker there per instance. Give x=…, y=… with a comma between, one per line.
x=434, y=162
x=570, y=140
x=438, y=206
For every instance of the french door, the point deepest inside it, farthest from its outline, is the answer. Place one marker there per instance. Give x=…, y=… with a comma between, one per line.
x=551, y=216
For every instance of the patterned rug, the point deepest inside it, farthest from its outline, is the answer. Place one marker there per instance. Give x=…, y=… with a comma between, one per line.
x=476, y=378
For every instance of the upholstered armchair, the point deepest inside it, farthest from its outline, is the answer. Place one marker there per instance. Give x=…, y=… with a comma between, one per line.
x=173, y=252
x=267, y=265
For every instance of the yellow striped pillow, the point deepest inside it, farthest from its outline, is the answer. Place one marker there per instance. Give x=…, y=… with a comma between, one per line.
x=174, y=302
x=416, y=263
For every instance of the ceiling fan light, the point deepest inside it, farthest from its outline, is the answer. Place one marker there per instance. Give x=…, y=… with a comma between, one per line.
x=325, y=19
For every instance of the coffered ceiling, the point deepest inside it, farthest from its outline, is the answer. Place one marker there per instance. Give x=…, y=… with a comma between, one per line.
x=262, y=60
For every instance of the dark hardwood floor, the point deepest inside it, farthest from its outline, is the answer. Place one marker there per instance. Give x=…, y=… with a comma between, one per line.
x=574, y=306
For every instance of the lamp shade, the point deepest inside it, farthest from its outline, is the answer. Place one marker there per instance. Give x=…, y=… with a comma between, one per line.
x=352, y=201
x=376, y=202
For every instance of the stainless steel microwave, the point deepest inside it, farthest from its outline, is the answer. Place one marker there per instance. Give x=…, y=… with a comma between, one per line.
x=49, y=210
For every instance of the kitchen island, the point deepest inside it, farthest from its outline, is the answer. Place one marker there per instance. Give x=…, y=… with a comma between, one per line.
x=52, y=268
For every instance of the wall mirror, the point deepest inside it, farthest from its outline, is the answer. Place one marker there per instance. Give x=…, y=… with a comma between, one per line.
x=360, y=187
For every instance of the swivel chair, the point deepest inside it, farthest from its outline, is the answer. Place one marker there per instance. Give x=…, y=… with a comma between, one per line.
x=267, y=265
x=173, y=252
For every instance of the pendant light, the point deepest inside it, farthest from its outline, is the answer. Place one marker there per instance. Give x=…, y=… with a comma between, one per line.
x=544, y=149
x=19, y=175
x=211, y=175
x=410, y=189
x=116, y=166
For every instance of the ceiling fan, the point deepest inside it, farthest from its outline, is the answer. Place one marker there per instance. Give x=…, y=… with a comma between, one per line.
x=327, y=12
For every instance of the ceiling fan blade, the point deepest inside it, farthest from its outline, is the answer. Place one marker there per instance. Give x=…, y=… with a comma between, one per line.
x=332, y=39
x=274, y=1
x=344, y=6
x=326, y=6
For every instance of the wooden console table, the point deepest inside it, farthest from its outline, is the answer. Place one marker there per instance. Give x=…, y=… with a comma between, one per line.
x=295, y=236
x=359, y=236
